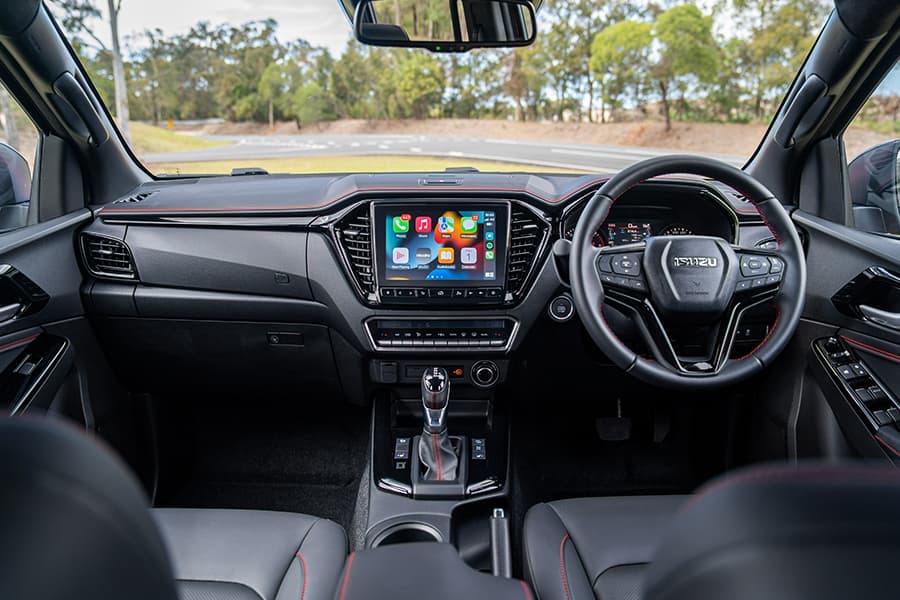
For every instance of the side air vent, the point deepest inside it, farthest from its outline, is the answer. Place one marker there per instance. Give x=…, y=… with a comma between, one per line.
x=354, y=236
x=134, y=198
x=527, y=234
x=107, y=257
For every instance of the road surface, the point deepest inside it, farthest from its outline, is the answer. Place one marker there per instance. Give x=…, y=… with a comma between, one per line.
x=601, y=159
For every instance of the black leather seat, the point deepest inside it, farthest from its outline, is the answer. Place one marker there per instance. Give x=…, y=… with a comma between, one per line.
x=816, y=531
x=594, y=547
x=75, y=524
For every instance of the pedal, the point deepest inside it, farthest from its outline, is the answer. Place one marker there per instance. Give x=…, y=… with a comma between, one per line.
x=614, y=429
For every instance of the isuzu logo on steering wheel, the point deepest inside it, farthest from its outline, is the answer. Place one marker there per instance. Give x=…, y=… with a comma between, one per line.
x=707, y=262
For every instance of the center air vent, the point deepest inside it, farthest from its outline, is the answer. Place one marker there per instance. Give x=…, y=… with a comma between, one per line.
x=527, y=234
x=134, y=198
x=354, y=236
x=107, y=257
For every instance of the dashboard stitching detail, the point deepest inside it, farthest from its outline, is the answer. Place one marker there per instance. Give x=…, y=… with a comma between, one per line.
x=522, y=190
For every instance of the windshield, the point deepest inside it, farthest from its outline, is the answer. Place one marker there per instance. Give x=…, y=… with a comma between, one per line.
x=207, y=86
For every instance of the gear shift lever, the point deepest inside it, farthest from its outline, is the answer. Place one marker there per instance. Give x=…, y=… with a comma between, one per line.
x=436, y=451
x=435, y=397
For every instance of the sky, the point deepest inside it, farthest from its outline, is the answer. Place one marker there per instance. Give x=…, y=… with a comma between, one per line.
x=320, y=22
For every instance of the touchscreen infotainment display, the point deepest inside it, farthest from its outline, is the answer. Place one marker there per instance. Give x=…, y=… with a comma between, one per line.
x=435, y=243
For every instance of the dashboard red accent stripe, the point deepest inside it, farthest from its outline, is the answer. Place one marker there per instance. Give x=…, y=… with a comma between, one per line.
x=250, y=209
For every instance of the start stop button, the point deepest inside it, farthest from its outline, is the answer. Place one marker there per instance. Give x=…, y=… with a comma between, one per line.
x=561, y=308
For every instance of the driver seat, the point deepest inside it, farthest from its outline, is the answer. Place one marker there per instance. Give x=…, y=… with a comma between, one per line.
x=815, y=531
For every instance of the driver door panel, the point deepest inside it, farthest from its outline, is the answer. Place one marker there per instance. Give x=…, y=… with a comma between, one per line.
x=856, y=366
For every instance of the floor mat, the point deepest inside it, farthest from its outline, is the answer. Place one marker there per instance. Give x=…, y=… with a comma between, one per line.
x=277, y=458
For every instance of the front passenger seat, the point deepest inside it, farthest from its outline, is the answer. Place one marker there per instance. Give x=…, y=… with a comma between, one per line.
x=820, y=531
x=75, y=525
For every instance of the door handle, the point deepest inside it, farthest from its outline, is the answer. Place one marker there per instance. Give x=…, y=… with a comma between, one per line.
x=880, y=317
x=9, y=312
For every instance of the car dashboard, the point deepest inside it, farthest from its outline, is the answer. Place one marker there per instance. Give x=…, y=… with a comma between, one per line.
x=359, y=279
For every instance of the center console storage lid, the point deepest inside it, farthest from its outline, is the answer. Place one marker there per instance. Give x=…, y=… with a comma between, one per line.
x=421, y=571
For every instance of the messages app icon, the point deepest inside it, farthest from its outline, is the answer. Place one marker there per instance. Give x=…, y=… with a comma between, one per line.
x=469, y=225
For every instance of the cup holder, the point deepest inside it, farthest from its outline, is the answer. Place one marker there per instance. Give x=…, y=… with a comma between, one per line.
x=407, y=533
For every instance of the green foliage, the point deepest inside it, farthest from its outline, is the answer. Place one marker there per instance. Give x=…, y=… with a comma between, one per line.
x=619, y=58
x=625, y=57
x=419, y=82
x=312, y=104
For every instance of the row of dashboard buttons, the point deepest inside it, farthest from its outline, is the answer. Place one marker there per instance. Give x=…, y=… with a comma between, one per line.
x=466, y=338
x=458, y=343
x=444, y=293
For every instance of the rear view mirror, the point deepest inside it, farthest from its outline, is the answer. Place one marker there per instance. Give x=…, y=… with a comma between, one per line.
x=445, y=25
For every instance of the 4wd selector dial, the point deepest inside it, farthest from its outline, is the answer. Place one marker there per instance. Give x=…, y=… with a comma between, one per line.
x=485, y=373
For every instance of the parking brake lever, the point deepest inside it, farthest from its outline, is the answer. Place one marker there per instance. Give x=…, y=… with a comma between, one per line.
x=501, y=551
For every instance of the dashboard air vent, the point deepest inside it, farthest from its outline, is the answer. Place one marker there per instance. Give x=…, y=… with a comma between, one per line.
x=134, y=198
x=527, y=233
x=354, y=236
x=108, y=257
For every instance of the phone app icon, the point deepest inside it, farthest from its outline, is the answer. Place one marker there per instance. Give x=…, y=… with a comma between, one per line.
x=469, y=225
x=489, y=255
x=423, y=224
x=446, y=224
x=401, y=256
x=401, y=225
x=423, y=255
x=446, y=256
x=468, y=256
x=489, y=235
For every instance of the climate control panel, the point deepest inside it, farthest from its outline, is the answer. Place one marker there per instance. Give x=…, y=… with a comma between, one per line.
x=441, y=334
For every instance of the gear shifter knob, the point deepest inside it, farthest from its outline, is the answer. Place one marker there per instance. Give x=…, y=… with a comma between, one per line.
x=435, y=397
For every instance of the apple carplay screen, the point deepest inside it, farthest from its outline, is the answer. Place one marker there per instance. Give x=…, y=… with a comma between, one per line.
x=434, y=245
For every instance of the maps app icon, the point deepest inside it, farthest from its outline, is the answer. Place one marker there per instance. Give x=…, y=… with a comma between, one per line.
x=446, y=224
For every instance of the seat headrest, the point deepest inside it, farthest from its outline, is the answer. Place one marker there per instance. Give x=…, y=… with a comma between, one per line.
x=74, y=520
x=811, y=531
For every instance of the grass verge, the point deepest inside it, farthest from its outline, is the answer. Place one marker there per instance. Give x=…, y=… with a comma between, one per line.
x=343, y=164
x=147, y=139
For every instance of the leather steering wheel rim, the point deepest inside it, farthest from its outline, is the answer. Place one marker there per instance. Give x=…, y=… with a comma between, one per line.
x=589, y=294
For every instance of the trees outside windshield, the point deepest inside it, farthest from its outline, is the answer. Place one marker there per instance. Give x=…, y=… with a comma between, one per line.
x=607, y=83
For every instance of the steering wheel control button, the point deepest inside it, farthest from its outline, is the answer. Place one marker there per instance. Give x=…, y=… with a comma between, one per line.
x=561, y=308
x=743, y=285
x=773, y=279
x=776, y=265
x=605, y=263
x=626, y=264
x=752, y=266
x=758, y=282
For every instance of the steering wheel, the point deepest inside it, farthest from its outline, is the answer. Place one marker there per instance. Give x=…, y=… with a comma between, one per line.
x=696, y=286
